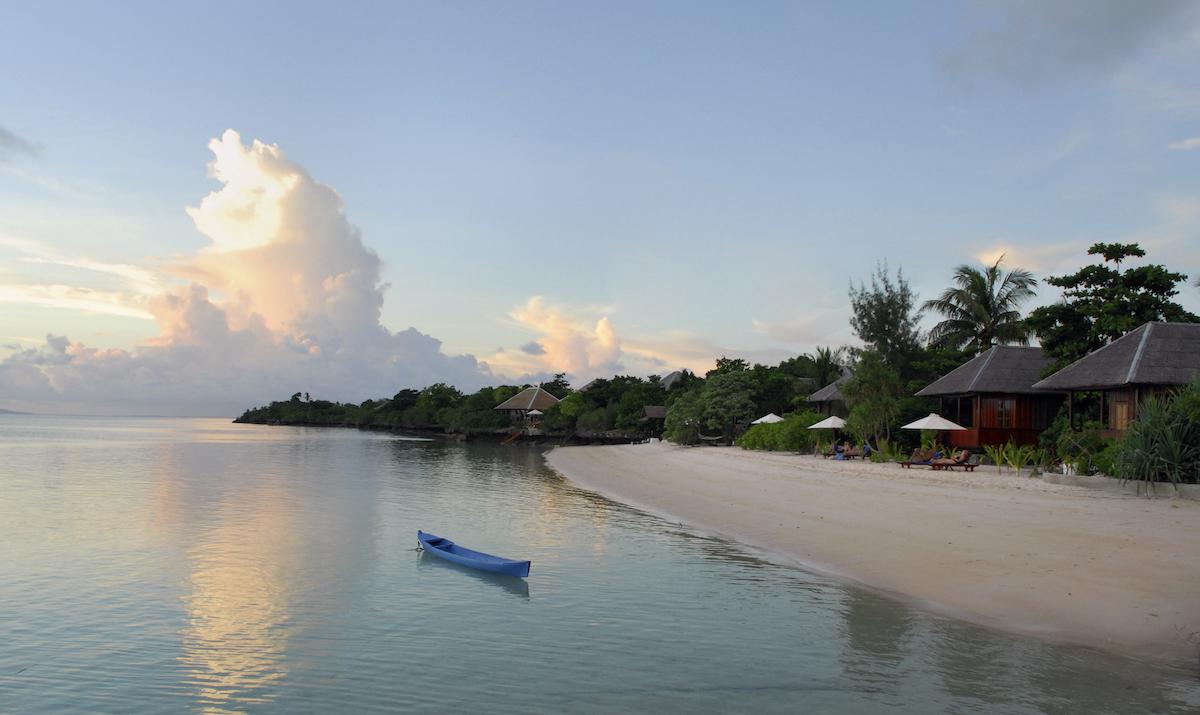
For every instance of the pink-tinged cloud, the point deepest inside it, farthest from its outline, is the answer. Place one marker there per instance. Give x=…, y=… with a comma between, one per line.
x=285, y=298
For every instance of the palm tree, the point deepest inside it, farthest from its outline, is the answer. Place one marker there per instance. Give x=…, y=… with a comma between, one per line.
x=827, y=365
x=982, y=309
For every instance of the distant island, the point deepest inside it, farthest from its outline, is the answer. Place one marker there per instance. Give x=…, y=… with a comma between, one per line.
x=13, y=412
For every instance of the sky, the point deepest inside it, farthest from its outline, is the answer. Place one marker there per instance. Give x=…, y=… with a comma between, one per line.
x=204, y=207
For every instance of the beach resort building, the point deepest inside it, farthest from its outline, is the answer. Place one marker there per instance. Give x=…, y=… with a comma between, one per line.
x=1148, y=360
x=994, y=396
x=828, y=400
x=654, y=417
x=528, y=404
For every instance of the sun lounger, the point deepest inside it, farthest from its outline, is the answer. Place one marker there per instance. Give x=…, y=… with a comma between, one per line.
x=919, y=457
x=962, y=459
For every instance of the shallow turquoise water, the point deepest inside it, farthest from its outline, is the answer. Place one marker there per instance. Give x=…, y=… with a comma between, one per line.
x=160, y=565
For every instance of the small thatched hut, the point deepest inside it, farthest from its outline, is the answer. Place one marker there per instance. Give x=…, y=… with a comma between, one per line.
x=829, y=400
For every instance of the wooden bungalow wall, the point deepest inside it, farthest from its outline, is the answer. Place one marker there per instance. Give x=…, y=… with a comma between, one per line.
x=1026, y=416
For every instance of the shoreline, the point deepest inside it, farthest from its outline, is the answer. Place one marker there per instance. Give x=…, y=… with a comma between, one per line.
x=1052, y=561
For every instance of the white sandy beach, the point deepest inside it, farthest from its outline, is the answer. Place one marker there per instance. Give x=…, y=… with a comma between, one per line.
x=1062, y=562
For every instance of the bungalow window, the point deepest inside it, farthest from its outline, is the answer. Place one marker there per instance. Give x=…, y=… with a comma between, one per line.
x=997, y=412
x=1044, y=412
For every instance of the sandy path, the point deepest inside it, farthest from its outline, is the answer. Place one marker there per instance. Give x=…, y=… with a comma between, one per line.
x=1062, y=562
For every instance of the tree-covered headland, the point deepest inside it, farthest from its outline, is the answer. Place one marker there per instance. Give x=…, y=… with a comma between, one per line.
x=981, y=307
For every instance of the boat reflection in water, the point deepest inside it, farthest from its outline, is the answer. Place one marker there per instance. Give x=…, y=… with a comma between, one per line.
x=513, y=584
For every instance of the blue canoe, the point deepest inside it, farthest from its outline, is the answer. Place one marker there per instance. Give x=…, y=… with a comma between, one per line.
x=451, y=551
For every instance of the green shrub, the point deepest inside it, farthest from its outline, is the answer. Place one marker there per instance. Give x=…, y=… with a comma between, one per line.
x=888, y=451
x=794, y=435
x=1161, y=445
x=1105, y=461
x=790, y=435
x=1080, y=448
x=762, y=436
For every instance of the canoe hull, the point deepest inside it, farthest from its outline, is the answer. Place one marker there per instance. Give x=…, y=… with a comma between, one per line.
x=452, y=552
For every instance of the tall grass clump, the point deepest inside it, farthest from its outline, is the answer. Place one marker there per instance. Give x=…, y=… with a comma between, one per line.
x=1162, y=445
x=1018, y=457
x=995, y=453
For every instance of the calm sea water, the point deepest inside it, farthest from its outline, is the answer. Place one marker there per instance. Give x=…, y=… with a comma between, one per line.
x=167, y=565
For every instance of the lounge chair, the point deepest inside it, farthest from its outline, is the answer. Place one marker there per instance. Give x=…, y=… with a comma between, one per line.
x=836, y=451
x=962, y=459
x=919, y=457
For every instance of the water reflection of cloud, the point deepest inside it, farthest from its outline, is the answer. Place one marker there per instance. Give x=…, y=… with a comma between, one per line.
x=237, y=606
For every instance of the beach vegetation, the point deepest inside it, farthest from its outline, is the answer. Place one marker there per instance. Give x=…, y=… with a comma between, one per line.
x=885, y=317
x=727, y=400
x=1081, y=448
x=982, y=308
x=995, y=455
x=1162, y=445
x=873, y=396
x=1017, y=456
x=790, y=435
x=887, y=451
x=1102, y=302
x=684, y=417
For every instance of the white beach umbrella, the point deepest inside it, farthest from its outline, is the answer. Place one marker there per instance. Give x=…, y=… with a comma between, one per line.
x=933, y=422
x=534, y=413
x=767, y=419
x=830, y=423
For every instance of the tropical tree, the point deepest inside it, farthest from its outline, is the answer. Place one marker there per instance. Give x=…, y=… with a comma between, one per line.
x=982, y=308
x=728, y=400
x=873, y=395
x=684, y=417
x=1102, y=302
x=559, y=387
x=827, y=365
x=885, y=317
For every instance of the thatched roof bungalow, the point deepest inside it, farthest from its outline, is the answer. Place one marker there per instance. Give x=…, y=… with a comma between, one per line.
x=1147, y=360
x=528, y=400
x=829, y=399
x=994, y=397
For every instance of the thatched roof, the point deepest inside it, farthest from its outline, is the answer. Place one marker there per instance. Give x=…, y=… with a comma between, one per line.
x=531, y=398
x=670, y=379
x=654, y=412
x=831, y=392
x=1003, y=369
x=1153, y=354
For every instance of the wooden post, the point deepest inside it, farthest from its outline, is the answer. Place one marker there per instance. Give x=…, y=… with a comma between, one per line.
x=1070, y=410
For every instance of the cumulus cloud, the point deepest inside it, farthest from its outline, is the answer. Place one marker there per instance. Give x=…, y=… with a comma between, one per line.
x=579, y=341
x=285, y=297
x=583, y=341
x=1186, y=144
